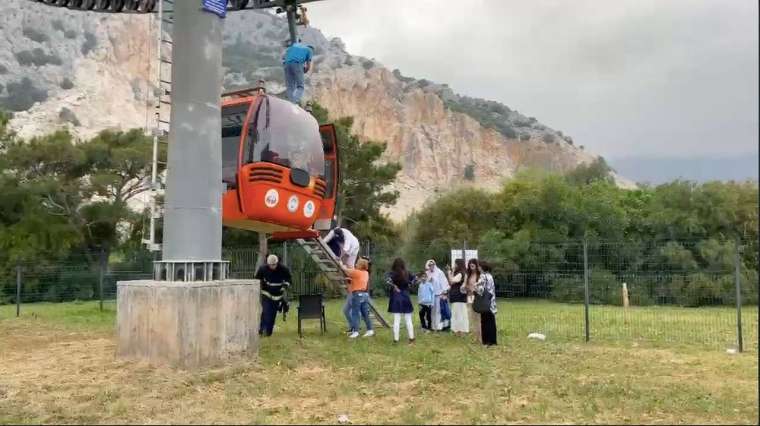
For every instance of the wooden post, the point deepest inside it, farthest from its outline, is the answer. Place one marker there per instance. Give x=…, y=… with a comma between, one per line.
x=625, y=302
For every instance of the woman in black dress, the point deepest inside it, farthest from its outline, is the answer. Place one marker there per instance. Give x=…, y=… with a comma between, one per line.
x=400, y=303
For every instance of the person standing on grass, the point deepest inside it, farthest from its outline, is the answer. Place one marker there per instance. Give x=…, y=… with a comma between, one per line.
x=486, y=284
x=473, y=276
x=273, y=278
x=358, y=288
x=440, y=287
x=399, y=302
x=345, y=246
x=458, y=298
x=425, y=298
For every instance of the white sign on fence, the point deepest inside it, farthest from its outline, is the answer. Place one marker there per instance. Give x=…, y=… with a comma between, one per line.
x=468, y=254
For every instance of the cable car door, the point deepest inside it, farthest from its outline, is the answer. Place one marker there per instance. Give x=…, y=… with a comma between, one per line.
x=332, y=177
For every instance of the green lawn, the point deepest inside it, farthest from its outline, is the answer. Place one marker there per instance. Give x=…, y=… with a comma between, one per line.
x=57, y=365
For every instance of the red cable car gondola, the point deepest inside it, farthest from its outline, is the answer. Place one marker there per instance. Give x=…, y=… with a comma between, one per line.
x=279, y=166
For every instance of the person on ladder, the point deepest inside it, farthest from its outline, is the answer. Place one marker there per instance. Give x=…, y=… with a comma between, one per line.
x=348, y=244
x=273, y=277
x=296, y=63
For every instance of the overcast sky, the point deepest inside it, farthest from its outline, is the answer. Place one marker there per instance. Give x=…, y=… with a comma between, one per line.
x=623, y=77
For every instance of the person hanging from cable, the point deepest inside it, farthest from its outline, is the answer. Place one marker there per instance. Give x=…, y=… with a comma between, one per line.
x=302, y=19
x=296, y=63
x=273, y=277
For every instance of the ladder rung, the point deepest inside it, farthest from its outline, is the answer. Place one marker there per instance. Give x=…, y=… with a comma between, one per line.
x=166, y=41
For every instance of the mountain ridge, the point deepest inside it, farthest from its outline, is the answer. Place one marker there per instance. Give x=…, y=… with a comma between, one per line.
x=92, y=72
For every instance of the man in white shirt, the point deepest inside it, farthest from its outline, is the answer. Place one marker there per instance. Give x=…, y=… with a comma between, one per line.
x=349, y=245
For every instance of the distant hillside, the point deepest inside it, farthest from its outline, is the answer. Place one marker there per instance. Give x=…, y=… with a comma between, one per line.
x=656, y=170
x=88, y=71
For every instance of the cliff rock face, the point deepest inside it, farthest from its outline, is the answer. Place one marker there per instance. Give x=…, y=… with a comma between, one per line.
x=87, y=72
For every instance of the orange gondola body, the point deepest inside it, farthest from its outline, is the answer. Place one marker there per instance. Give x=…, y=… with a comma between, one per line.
x=274, y=165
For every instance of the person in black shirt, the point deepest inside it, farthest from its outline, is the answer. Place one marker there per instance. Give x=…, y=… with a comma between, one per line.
x=273, y=278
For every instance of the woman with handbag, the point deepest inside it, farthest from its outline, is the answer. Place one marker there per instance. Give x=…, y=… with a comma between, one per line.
x=485, y=305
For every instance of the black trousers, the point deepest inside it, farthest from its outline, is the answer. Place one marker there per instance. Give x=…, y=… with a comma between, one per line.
x=426, y=317
x=488, y=328
x=268, y=315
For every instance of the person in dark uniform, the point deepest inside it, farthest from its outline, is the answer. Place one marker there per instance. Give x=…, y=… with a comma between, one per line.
x=274, y=278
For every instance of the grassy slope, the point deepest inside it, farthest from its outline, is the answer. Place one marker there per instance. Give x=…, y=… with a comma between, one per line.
x=57, y=365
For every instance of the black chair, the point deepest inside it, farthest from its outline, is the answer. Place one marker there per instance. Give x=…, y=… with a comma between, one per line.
x=310, y=306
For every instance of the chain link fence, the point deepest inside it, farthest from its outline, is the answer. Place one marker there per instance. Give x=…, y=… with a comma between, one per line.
x=675, y=292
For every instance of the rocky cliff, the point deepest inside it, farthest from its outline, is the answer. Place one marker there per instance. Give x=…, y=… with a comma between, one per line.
x=87, y=72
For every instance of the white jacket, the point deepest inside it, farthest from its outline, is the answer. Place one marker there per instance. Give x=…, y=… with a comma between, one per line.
x=350, y=242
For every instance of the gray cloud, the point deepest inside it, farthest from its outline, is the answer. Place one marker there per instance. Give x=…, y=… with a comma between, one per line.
x=628, y=77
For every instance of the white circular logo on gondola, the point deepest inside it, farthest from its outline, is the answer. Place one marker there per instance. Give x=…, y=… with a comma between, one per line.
x=292, y=203
x=272, y=198
x=308, y=209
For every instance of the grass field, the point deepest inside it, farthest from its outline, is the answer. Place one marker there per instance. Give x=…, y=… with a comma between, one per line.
x=57, y=365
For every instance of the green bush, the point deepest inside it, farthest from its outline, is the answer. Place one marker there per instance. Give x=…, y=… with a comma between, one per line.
x=34, y=35
x=368, y=65
x=36, y=57
x=524, y=137
x=57, y=24
x=22, y=95
x=548, y=138
x=90, y=41
x=67, y=84
x=469, y=172
x=696, y=290
x=568, y=290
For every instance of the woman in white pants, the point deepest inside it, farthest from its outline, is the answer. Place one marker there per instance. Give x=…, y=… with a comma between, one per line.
x=458, y=298
x=399, y=303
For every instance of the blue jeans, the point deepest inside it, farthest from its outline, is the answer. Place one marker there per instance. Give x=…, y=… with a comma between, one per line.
x=294, y=77
x=360, y=304
x=347, y=310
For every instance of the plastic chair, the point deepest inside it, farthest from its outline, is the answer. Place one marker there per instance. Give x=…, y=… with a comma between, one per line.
x=310, y=306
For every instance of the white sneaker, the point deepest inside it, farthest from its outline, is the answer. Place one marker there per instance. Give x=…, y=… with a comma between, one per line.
x=369, y=333
x=353, y=335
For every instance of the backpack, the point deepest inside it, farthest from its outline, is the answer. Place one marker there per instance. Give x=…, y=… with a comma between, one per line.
x=482, y=303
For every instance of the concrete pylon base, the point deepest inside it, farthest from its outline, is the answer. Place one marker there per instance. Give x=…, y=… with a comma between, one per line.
x=188, y=324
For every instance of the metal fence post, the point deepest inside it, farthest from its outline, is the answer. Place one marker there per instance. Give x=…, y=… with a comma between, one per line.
x=285, y=253
x=18, y=290
x=737, y=279
x=101, y=275
x=585, y=289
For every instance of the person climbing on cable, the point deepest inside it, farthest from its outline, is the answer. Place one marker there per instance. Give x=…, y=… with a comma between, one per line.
x=296, y=63
x=273, y=277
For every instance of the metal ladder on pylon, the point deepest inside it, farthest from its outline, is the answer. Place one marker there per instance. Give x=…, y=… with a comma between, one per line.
x=321, y=254
x=162, y=105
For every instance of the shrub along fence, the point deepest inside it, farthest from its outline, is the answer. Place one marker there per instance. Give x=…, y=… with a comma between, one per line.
x=691, y=292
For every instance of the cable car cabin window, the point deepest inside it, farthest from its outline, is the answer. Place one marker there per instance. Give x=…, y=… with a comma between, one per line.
x=288, y=136
x=329, y=178
x=232, y=128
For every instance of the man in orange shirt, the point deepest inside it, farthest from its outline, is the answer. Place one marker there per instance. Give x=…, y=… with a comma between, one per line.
x=358, y=289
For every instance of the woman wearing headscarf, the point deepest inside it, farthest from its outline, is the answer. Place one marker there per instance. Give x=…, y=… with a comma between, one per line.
x=440, y=288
